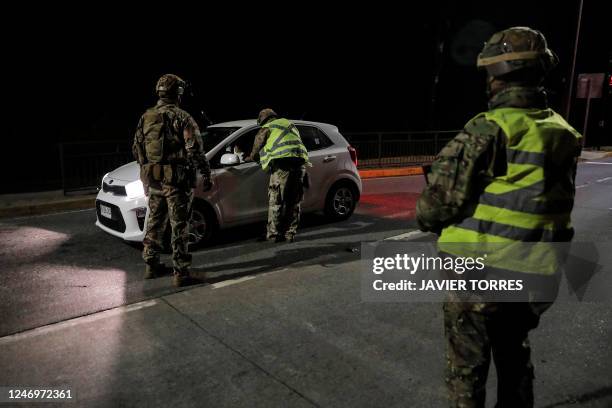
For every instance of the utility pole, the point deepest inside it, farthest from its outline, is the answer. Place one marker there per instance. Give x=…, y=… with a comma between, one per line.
x=568, y=102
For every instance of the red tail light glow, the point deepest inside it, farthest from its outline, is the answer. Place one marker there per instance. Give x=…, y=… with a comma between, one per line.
x=353, y=154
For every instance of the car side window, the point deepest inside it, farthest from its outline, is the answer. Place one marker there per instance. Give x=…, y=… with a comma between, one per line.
x=313, y=138
x=241, y=147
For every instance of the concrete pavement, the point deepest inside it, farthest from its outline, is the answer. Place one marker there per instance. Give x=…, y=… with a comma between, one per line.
x=280, y=325
x=290, y=337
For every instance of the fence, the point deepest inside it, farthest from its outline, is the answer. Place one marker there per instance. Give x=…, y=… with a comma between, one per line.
x=84, y=163
x=388, y=149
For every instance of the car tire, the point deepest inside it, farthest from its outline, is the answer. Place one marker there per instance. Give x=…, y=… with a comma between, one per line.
x=202, y=224
x=341, y=201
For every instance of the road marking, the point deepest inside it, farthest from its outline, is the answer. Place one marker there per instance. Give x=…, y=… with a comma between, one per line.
x=581, y=186
x=411, y=234
x=208, y=251
x=231, y=282
x=604, y=179
x=597, y=162
x=349, y=227
x=388, y=177
x=50, y=328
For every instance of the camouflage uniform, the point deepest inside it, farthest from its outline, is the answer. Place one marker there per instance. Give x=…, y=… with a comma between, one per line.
x=473, y=331
x=285, y=191
x=169, y=182
x=459, y=175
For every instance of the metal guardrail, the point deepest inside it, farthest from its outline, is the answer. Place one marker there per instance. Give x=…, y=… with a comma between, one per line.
x=384, y=149
x=84, y=163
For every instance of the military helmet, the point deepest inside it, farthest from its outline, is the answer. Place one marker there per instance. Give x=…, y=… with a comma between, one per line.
x=265, y=115
x=514, y=49
x=170, y=84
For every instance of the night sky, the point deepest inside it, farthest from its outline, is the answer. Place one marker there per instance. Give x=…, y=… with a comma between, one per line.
x=90, y=78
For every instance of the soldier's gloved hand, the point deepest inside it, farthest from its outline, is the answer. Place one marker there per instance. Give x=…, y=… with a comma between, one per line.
x=206, y=185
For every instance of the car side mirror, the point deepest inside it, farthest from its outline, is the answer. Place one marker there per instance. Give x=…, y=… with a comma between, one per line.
x=230, y=159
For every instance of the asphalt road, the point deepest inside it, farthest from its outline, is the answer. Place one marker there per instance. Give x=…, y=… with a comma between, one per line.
x=60, y=266
x=277, y=326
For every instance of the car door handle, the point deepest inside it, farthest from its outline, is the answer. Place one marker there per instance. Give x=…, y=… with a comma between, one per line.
x=327, y=159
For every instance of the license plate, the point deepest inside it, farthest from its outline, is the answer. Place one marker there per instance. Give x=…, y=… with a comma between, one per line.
x=105, y=211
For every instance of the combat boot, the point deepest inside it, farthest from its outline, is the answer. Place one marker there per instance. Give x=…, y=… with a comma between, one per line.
x=154, y=270
x=184, y=278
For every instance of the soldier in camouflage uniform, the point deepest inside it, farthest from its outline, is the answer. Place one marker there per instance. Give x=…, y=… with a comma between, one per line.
x=516, y=60
x=287, y=173
x=169, y=149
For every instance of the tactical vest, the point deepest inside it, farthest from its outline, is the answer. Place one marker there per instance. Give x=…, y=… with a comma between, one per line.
x=532, y=202
x=283, y=141
x=163, y=149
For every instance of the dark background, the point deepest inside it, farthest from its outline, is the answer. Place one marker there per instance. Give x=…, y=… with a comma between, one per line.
x=88, y=75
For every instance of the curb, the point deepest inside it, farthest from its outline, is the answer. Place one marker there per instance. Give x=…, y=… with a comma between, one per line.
x=90, y=202
x=45, y=208
x=597, y=155
x=391, y=172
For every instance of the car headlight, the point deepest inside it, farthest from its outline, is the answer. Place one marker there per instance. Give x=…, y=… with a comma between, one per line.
x=103, y=178
x=134, y=189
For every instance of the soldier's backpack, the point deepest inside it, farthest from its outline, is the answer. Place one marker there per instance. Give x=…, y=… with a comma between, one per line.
x=157, y=130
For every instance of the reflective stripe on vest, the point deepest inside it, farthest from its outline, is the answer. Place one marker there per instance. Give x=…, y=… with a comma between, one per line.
x=532, y=202
x=284, y=141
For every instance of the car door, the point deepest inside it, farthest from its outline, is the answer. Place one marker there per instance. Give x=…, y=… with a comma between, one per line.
x=243, y=188
x=324, y=163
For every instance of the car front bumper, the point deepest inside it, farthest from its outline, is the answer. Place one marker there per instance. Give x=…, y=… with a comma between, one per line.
x=128, y=216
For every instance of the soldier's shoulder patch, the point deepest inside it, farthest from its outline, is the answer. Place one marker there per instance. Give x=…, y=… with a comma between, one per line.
x=481, y=127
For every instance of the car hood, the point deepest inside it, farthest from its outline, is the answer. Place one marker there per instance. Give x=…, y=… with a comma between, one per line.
x=127, y=172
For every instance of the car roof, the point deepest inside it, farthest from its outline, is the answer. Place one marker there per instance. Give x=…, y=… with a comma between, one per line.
x=253, y=122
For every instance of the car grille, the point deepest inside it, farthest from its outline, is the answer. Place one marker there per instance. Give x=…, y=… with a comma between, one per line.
x=115, y=223
x=116, y=190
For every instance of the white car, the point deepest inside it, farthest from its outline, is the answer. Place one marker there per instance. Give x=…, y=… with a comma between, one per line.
x=240, y=189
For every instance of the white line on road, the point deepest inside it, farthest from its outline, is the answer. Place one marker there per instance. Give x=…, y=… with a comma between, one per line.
x=387, y=177
x=604, y=179
x=597, y=162
x=411, y=234
x=231, y=282
x=76, y=321
x=582, y=186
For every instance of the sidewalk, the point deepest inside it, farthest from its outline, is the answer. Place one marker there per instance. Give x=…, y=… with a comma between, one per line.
x=16, y=205
x=596, y=154
x=295, y=337
x=259, y=342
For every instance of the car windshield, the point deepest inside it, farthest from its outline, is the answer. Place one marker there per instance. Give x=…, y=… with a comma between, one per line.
x=215, y=135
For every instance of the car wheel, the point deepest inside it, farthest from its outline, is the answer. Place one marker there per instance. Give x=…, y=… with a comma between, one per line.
x=202, y=224
x=341, y=201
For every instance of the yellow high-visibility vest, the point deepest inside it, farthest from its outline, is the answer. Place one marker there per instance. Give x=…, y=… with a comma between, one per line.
x=284, y=141
x=532, y=202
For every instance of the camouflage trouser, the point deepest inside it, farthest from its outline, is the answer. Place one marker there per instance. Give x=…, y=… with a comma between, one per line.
x=169, y=203
x=474, y=332
x=285, y=193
